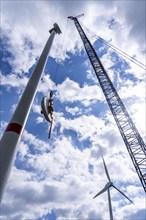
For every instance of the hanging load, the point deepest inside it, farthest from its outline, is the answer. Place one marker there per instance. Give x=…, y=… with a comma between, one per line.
x=47, y=110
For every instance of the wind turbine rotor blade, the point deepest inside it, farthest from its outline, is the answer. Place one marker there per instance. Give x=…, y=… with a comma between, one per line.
x=106, y=171
x=102, y=191
x=123, y=194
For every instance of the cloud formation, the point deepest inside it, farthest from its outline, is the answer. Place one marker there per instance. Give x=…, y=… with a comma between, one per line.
x=62, y=175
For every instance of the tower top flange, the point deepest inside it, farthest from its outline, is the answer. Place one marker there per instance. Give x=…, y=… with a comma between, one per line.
x=56, y=28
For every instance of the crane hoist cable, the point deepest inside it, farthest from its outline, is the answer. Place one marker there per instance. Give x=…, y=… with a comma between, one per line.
x=60, y=51
x=130, y=58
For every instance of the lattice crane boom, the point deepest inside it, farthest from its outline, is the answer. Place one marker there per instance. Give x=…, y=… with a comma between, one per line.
x=132, y=139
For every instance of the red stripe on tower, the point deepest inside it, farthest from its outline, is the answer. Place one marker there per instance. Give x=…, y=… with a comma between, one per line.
x=14, y=127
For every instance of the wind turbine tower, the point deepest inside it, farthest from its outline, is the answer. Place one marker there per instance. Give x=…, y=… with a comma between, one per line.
x=107, y=187
x=131, y=137
x=13, y=132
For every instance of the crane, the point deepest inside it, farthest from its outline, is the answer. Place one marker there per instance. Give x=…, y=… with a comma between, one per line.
x=131, y=137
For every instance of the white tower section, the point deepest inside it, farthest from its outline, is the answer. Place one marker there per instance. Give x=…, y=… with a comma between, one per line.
x=13, y=132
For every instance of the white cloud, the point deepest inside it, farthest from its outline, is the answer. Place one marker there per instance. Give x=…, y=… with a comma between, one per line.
x=39, y=120
x=73, y=111
x=60, y=180
x=3, y=125
x=71, y=91
x=13, y=80
x=36, y=23
x=54, y=175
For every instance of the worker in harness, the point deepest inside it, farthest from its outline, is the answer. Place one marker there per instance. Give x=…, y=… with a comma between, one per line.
x=47, y=110
x=50, y=106
x=50, y=111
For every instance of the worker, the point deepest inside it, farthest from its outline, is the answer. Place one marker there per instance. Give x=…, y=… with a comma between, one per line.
x=50, y=111
x=47, y=110
x=50, y=106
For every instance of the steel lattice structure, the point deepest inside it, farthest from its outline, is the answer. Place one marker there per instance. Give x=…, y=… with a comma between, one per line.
x=132, y=139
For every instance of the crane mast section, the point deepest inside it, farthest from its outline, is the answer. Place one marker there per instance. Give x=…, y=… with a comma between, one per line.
x=132, y=139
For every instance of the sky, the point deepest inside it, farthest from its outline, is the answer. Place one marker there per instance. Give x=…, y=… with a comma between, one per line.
x=57, y=178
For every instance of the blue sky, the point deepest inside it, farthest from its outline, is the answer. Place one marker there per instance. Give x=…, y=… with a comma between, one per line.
x=57, y=178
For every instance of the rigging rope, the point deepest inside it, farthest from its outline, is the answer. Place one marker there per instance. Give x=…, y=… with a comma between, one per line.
x=132, y=59
x=61, y=50
x=50, y=101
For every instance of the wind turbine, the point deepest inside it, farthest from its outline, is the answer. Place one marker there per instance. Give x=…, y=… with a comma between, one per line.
x=107, y=187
